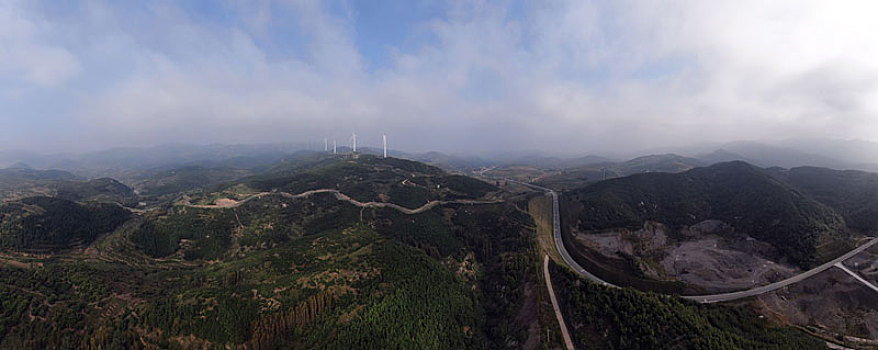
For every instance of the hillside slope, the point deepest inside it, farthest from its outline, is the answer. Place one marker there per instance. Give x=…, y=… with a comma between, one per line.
x=852, y=193
x=744, y=196
x=44, y=224
x=580, y=176
x=278, y=271
x=611, y=318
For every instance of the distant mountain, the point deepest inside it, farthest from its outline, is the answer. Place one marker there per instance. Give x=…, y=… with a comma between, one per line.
x=721, y=156
x=744, y=196
x=552, y=162
x=123, y=163
x=22, y=183
x=664, y=163
x=101, y=190
x=31, y=174
x=20, y=165
x=764, y=155
x=583, y=175
x=863, y=154
x=449, y=161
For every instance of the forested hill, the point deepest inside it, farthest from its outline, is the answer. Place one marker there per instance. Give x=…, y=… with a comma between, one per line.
x=31, y=174
x=371, y=178
x=852, y=193
x=44, y=224
x=746, y=197
x=18, y=183
x=277, y=271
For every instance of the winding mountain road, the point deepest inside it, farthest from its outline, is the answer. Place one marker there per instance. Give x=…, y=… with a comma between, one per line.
x=343, y=197
x=710, y=298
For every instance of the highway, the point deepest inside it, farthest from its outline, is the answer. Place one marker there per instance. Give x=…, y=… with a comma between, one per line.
x=710, y=298
x=556, y=233
x=780, y=284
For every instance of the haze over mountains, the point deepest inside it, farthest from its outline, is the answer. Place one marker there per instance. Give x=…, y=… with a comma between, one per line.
x=835, y=154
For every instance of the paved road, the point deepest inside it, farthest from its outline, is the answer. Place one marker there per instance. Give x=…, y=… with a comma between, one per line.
x=777, y=285
x=711, y=298
x=343, y=197
x=556, y=233
x=564, y=333
x=855, y=275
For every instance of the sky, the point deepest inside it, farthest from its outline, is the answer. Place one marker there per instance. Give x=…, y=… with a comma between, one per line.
x=579, y=75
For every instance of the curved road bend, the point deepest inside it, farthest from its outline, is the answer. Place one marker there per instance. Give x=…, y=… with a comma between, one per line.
x=711, y=298
x=556, y=233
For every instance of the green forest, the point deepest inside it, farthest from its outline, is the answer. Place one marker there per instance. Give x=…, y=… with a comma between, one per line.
x=278, y=272
x=744, y=196
x=614, y=318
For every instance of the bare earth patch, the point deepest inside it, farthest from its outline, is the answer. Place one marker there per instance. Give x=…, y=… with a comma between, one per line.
x=831, y=302
x=699, y=256
x=226, y=203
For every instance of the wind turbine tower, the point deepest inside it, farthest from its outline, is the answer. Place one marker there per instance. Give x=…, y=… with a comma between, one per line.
x=384, y=140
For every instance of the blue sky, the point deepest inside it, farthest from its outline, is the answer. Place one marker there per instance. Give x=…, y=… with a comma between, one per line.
x=580, y=76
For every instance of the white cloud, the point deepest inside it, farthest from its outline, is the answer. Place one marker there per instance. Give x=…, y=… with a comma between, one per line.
x=26, y=56
x=581, y=75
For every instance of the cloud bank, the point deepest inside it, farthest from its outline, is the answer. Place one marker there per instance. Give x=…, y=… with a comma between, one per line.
x=576, y=76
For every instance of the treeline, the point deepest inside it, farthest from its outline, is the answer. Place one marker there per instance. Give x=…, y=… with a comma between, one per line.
x=620, y=318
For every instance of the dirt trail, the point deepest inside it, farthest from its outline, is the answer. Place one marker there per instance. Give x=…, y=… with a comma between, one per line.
x=567, y=341
x=342, y=197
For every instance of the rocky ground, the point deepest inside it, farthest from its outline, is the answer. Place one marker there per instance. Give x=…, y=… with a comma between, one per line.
x=711, y=258
x=708, y=256
x=832, y=303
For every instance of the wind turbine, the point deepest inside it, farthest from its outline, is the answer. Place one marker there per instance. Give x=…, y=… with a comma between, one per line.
x=384, y=140
x=354, y=141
